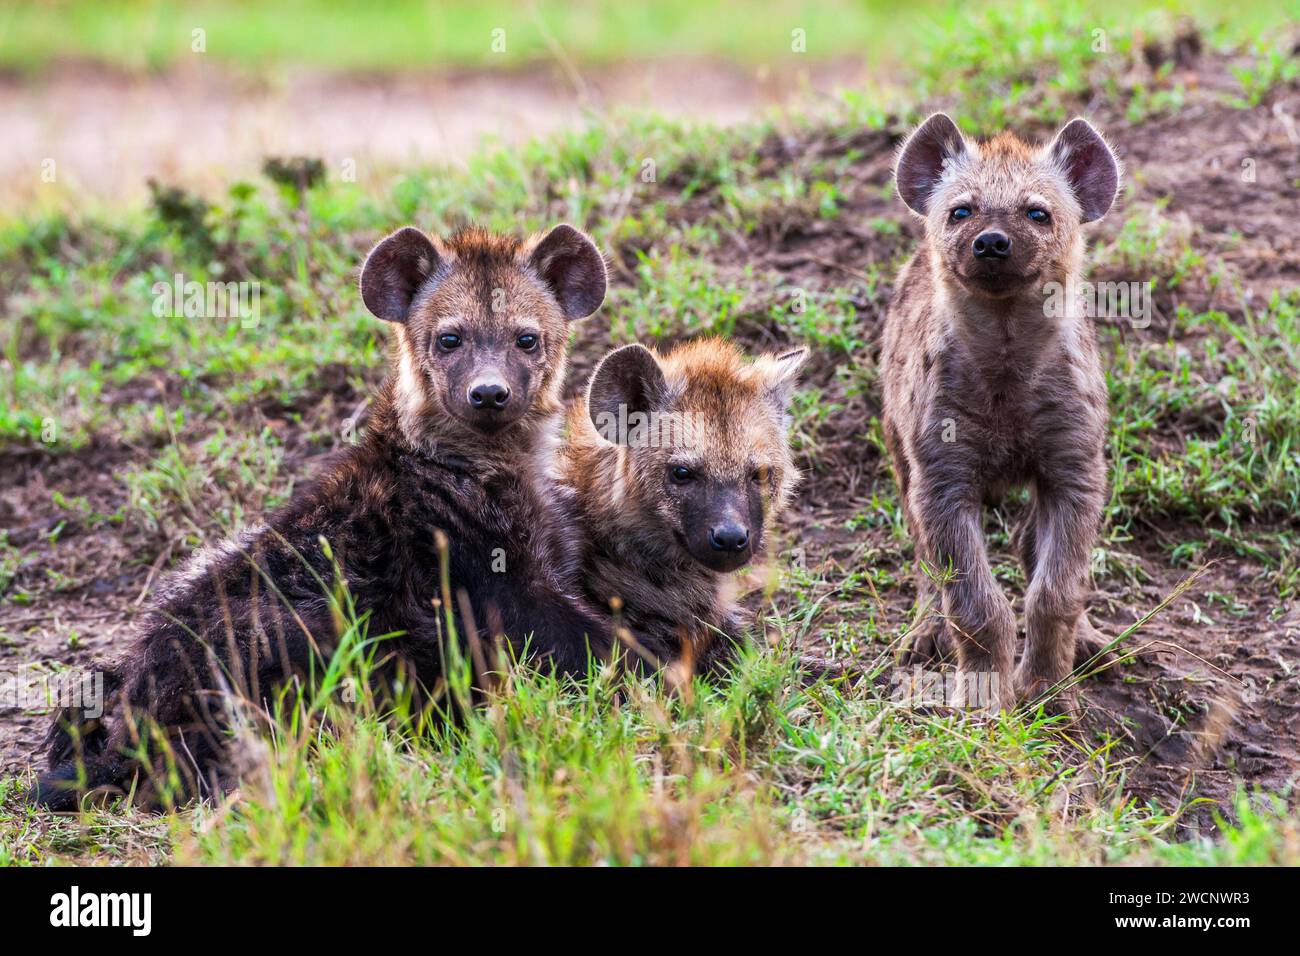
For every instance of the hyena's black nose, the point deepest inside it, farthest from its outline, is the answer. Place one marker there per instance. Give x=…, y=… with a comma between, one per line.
x=992, y=245
x=491, y=395
x=729, y=537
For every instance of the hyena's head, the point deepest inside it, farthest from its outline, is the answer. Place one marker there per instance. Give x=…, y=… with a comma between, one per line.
x=1003, y=217
x=706, y=463
x=481, y=320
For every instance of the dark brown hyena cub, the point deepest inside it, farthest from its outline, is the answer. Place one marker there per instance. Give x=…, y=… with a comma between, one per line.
x=458, y=442
x=989, y=383
x=679, y=465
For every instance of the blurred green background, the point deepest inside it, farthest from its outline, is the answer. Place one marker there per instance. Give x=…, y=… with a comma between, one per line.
x=406, y=34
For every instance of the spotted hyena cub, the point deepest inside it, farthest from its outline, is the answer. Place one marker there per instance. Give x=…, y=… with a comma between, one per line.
x=679, y=464
x=989, y=384
x=452, y=474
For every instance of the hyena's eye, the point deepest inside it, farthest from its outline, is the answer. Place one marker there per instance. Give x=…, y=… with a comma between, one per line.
x=758, y=475
x=1038, y=215
x=680, y=474
x=528, y=341
x=961, y=212
x=448, y=341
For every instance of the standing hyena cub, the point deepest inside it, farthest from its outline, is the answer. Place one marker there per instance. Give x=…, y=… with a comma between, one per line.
x=989, y=384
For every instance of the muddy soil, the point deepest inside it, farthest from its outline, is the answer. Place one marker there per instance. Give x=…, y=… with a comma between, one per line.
x=1211, y=702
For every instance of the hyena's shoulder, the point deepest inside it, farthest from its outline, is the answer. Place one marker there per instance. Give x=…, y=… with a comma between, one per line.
x=352, y=505
x=913, y=332
x=914, y=285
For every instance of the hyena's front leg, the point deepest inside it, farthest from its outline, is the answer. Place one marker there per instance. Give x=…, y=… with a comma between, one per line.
x=983, y=624
x=929, y=641
x=1065, y=518
x=1090, y=644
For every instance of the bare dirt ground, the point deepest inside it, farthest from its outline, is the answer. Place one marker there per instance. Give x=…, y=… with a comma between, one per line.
x=108, y=132
x=1212, y=701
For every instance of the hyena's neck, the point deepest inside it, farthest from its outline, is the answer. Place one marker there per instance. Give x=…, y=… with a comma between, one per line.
x=1014, y=334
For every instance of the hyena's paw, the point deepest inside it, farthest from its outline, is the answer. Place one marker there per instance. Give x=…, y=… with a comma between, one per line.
x=814, y=669
x=1090, y=647
x=1033, y=689
x=931, y=643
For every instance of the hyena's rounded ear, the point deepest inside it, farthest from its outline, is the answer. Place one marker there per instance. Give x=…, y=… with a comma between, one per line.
x=572, y=268
x=1089, y=166
x=921, y=162
x=627, y=380
x=394, y=272
x=782, y=374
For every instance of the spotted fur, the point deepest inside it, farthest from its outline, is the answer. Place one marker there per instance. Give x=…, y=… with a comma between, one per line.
x=244, y=618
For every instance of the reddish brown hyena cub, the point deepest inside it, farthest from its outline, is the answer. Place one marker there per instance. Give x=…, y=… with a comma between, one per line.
x=679, y=465
x=989, y=384
x=451, y=474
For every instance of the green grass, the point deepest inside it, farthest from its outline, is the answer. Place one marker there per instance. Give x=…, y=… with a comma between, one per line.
x=421, y=34
x=616, y=770
x=1233, y=406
